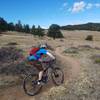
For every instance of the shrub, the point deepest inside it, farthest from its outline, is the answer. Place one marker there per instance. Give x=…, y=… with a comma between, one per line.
x=10, y=54
x=12, y=43
x=54, y=31
x=89, y=38
x=3, y=25
x=37, y=31
x=96, y=59
x=12, y=62
x=85, y=47
x=71, y=50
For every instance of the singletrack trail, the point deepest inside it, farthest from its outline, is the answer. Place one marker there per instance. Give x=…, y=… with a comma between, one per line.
x=17, y=92
x=73, y=63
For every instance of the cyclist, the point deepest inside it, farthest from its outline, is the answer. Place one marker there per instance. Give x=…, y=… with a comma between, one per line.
x=37, y=59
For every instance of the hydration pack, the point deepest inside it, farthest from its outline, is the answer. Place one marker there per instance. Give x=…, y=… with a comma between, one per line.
x=33, y=51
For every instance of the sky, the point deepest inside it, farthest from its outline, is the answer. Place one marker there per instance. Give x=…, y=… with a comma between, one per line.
x=47, y=12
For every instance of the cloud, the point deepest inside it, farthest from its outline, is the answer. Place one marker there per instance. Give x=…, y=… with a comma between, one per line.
x=78, y=6
x=69, y=9
x=89, y=6
x=64, y=4
x=97, y=5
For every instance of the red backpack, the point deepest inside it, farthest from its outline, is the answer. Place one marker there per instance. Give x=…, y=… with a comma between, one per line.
x=33, y=51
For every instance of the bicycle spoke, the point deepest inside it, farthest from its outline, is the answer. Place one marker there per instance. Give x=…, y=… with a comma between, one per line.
x=57, y=76
x=29, y=85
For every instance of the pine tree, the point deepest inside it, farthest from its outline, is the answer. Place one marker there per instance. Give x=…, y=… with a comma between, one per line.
x=3, y=25
x=11, y=26
x=19, y=27
x=37, y=31
x=26, y=28
x=54, y=31
x=33, y=29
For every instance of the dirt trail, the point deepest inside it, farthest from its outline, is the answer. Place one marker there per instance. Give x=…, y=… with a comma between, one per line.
x=72, y=62
x=17, y=93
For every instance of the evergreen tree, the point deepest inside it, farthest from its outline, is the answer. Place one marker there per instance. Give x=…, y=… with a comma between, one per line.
x=37, y=31
x=19, y=27
x=33, y=30
x=3, y=25
x=54, y=31
x=11, y=27
x=26, y=28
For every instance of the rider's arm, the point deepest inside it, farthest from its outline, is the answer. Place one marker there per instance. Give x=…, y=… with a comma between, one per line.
x=50, y=55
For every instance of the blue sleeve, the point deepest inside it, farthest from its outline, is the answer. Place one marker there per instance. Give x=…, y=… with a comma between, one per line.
x=42, y=51
x=31, y=58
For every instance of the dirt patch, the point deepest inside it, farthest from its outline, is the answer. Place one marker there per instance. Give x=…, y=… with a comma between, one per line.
x=73, y=63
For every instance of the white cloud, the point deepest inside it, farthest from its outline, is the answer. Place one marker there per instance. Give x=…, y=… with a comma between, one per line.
x=97, y=5
x=64, y=4
x=89, y=6
x=78, y=6
x=69, y=9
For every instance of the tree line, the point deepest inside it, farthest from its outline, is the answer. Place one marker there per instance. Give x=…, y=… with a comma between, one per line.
x=53, y=31
x=87, y=26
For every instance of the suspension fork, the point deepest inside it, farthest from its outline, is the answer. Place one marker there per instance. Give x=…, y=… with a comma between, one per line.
x=54, y=71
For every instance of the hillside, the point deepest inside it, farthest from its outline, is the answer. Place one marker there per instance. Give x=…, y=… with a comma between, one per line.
x=79, y=59
x=87, y=26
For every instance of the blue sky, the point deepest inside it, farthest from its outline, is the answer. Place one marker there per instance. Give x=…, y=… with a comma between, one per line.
x=46, y=12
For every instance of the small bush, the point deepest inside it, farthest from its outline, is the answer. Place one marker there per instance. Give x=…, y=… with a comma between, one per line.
x=9, y=54
x=96, y=59
x=54, y=31
x=97, y=48
x=61, y=40
x=71, y=50
x=12, y=62
x=89, y=38
x=12, y=43
x=85, y=47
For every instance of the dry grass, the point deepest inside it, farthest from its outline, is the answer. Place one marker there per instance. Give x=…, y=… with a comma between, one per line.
x=71, y=38
x=87, y=85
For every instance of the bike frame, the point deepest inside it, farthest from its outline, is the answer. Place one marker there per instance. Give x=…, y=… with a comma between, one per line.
x=50, y=66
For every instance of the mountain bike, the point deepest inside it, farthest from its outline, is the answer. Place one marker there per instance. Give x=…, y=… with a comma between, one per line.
x=30, y=85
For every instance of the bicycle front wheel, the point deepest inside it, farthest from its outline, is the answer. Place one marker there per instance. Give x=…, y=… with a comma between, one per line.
x=57, y=76
x=30, y=85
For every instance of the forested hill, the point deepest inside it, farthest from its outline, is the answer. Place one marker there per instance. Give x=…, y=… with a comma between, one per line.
x=88, y=26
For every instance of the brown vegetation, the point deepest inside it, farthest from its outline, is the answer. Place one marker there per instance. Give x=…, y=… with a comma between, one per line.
x=86, y=83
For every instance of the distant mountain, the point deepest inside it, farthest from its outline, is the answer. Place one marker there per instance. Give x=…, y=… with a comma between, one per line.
x=87, y=26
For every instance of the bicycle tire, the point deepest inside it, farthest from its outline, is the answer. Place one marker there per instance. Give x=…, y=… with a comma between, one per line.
x=33, y=86
x=58, y=78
